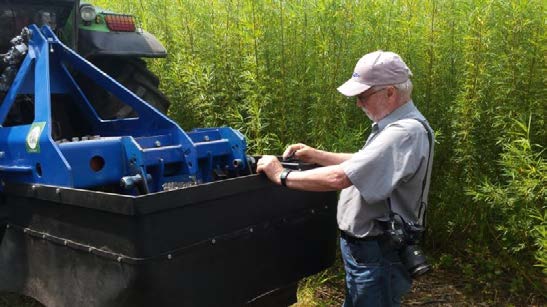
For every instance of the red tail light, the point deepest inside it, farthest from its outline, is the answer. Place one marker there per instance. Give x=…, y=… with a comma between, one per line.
x=120, y=23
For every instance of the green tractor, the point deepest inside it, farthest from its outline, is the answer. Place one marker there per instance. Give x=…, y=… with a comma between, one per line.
x=113, y=42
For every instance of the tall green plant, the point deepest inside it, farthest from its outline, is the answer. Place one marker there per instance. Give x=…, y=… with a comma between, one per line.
x=271, y=68
x=517, y=204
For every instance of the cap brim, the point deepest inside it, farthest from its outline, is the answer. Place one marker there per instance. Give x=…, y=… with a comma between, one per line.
x=352, y=88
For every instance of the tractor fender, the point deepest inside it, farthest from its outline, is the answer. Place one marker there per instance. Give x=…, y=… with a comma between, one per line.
x=132, y=44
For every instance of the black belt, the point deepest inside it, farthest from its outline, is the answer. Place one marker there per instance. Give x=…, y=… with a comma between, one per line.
x=349, y=237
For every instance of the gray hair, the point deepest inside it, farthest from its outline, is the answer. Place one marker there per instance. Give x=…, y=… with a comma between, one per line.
x=404, y=88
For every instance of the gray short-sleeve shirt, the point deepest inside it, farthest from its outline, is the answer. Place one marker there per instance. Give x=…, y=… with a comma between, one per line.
x=391, y=164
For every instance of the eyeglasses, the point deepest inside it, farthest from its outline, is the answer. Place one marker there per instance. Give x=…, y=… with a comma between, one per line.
x=364, y=96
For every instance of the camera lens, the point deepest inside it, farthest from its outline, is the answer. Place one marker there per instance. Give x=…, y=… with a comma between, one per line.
x=414, y=260
x=420, y=270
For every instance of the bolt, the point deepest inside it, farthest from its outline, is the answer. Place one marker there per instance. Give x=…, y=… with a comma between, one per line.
x=2, y=154
x=157, y=143
x=237, y=163
x=169, y=257
x=206, y=138
x=213, y=241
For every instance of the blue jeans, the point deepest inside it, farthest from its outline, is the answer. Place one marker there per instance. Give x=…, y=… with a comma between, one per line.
x=375, y=275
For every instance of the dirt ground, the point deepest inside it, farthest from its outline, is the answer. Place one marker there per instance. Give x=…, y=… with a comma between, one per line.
x=437, y=288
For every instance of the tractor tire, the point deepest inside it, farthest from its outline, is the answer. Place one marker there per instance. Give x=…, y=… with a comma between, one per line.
x=3, y=218
x=135, y=76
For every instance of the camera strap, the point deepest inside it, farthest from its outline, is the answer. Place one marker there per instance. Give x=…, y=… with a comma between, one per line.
x=422, y=203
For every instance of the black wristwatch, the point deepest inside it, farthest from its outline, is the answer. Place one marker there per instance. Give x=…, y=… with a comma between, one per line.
x=284, y=175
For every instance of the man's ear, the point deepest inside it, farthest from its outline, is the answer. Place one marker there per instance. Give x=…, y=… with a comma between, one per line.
x=391, y=91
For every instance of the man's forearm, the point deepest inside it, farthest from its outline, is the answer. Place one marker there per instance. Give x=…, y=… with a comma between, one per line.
x=326, y=158
x=328, y=178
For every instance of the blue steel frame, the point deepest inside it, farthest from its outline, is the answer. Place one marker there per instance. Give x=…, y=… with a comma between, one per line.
x=150, y=145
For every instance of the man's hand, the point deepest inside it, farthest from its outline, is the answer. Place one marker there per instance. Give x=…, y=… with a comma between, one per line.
x=270, y=166
x=309, y=154
x=301, y=152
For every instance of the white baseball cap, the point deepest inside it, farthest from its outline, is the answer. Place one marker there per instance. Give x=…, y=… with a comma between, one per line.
x=376, y=68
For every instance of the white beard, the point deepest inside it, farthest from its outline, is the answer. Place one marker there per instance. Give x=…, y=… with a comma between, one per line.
x=367, y=113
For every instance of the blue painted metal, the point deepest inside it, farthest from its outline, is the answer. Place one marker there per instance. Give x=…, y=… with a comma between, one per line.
x=148, y=146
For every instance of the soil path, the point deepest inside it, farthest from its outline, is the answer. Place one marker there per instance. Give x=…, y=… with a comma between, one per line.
x=437, y=288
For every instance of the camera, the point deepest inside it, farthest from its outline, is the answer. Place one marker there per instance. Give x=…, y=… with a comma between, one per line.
x=396, y=234
x=414, y=260
x=405, y=237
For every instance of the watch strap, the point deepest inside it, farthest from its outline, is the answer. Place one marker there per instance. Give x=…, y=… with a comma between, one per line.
x=283, y=176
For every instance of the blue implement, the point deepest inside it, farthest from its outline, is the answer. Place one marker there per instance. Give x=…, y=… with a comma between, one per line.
x=133, y=156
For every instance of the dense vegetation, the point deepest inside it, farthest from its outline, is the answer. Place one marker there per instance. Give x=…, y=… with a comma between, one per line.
x=270, y=68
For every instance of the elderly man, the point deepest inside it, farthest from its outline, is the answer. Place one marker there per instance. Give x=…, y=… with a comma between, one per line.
x=388, y=177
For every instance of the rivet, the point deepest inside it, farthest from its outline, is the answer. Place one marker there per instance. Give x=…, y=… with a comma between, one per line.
x=57, y=191
x=7, y=226
x=169, y=257
x=65, y=242
x=251, y=230
x=213, y=241
x=119, y=259
x=91, y=249
x=312, y=211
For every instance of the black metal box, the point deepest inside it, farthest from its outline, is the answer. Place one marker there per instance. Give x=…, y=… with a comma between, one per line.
x=228, y=243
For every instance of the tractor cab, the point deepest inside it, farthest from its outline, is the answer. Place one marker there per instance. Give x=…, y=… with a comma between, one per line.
x=15, y=15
